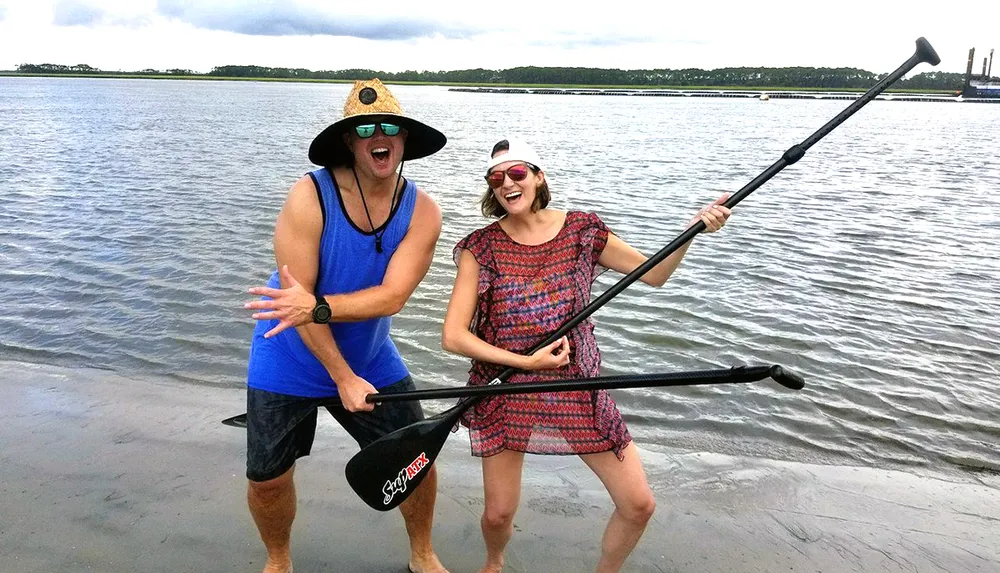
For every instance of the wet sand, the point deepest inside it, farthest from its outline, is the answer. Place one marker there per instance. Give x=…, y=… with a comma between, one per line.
x=105, y=473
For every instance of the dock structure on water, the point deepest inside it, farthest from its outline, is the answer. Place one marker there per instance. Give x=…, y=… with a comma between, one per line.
x=763, y=95
x=984, y=86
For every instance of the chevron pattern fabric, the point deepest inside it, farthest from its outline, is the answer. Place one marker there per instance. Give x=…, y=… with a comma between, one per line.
x=525, y=293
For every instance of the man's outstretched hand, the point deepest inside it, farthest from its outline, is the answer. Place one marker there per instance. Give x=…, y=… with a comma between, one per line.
x=290, y=306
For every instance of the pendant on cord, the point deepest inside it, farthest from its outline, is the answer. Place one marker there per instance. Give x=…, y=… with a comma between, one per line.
x=392, y=204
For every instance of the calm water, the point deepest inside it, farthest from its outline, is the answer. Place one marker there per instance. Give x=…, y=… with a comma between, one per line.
x=134, y=214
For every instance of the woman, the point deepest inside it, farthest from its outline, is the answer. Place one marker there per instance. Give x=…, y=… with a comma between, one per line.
x=518, y=280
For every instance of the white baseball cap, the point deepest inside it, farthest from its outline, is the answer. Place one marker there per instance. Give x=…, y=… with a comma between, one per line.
x=518, y=150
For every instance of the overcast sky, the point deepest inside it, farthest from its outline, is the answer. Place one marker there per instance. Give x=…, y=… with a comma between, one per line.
x=391, y=35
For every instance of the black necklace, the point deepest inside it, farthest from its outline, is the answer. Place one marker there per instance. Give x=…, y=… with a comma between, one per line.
x=392, y=202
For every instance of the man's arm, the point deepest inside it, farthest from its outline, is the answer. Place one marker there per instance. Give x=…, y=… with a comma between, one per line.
x=408, y=266
x=292, y=305
x=296, y=247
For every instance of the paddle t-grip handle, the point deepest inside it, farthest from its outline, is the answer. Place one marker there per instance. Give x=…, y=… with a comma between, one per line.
x=786, y=377
x=925, y=52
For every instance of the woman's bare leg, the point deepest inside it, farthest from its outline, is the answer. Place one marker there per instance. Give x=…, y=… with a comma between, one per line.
x=502, y=487
x=634, y=504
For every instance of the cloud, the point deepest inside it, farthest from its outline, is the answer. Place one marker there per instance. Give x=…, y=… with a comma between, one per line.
x=3, y=12
x=390, y=20
x=272, y=18
x=602, y=40
x=71, y=13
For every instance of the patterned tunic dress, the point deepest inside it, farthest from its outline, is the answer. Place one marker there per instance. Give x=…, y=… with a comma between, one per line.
x=526, y=292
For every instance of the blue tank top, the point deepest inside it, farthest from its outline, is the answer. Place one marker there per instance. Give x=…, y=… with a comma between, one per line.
x=348, y=263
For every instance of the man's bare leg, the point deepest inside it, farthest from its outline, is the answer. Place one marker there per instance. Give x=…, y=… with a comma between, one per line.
x=418, y=514
x=272, y=505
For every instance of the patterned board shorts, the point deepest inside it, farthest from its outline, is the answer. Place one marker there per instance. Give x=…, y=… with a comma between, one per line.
x=281, y=428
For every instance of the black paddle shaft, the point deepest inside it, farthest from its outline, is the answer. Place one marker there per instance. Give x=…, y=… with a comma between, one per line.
x=734, y=375
x=923, y=53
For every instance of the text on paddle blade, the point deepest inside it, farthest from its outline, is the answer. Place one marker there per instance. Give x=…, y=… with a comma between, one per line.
x=398, y=484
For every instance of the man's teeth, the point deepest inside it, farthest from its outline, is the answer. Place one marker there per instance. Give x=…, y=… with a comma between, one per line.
x=381, y=150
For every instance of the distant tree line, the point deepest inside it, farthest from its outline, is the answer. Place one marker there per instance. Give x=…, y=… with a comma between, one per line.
x=795, y=77
x=85, y=69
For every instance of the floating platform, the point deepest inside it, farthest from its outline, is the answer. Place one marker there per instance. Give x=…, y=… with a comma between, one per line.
x=762, y=95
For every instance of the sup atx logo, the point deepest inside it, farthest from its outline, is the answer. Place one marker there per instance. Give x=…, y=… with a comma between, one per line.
x=398, y=485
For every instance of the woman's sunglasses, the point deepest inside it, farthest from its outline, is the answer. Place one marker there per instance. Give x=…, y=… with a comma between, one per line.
x=367, y=130
x=515, y=172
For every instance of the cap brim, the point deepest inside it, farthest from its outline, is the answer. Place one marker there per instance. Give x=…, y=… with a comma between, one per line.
x=328, y=148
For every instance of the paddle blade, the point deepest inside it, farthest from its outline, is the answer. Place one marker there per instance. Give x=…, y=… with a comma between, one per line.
x=236, y=421
x=386, y=472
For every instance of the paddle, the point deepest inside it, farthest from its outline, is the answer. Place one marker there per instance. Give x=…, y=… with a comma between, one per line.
x=395, y=462
x=418, y=444
x=781, y=375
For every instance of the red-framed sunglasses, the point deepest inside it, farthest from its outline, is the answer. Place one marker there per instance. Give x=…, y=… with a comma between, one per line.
x=515, y=172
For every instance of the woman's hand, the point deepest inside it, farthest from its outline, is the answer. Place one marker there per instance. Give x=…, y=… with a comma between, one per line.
x=713, y=215
x=555, y=355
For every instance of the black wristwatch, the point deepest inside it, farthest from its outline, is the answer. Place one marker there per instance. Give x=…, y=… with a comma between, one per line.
x=321, y=312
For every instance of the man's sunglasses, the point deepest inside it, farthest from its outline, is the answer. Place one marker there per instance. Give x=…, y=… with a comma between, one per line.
x=367, y=130
x=515, y=172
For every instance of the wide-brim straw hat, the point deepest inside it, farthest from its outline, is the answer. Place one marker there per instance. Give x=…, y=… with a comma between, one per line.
x=371, y=99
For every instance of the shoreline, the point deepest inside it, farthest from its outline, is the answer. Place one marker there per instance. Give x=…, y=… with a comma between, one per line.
x=758, y=93
x=608, y=87
x=107, y=473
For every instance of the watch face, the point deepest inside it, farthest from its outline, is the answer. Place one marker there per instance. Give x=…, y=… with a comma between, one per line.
x=321, y=314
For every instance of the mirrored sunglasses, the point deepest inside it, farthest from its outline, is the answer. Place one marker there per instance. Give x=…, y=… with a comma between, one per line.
x=367, y=130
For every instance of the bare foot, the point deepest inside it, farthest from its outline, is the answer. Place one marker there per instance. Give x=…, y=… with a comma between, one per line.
x=429, y=564
x=278, y=565
x=492, y=568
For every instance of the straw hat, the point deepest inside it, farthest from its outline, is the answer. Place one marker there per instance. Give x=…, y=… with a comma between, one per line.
x=371, y=99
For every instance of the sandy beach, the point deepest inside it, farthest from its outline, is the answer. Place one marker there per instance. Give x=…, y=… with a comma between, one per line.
x=105, y=473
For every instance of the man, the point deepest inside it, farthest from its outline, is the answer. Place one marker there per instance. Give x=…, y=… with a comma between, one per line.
x=361, y=237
